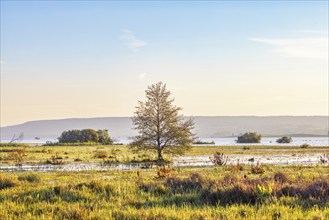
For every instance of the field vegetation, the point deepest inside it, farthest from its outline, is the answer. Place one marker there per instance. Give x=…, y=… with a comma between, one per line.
x=221, y=192
x=12, y=154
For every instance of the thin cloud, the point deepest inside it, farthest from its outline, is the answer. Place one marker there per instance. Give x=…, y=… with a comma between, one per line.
x=301, y=47
x=131, y=41
x=2, y=62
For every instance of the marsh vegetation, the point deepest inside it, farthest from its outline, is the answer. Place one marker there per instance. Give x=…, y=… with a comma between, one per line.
x=225, y=192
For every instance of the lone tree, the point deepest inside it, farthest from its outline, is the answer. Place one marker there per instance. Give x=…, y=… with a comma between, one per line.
x=161, y=129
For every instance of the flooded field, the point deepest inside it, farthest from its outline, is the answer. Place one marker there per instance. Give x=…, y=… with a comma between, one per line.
x=186, y=161
x=220, y=141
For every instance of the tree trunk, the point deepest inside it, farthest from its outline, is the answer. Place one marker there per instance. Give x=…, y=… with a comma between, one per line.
x=160, y=158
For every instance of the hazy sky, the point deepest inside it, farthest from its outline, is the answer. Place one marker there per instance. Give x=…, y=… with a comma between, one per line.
x=92, y=59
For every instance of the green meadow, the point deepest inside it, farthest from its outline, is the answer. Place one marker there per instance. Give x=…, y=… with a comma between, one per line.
x=218, y=192
x=225, y=192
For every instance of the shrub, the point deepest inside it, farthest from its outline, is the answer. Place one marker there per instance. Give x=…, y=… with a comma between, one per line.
x=163, y=172
x=258, y=169
x=319, y=189
x=249, y=137
x=55, y=160
x=305, y=146
x=240, y=194
x=6, y=182
x=280, y=177
x=30, y=177
x=324, y=158
x=236, y=168
x=228, y=180
x=284, y=140
x=193, y=182
x=100, y=154
x=17, y=155
x=219, y=159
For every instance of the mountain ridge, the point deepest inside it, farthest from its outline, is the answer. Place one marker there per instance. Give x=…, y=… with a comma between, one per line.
x=205, y=126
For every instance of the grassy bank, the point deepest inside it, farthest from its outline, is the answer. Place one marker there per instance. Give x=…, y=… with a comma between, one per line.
x=122, y=154
x=230, y=192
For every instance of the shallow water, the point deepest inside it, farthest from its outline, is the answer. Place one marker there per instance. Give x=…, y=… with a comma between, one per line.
x=188, y=161
x=227, y=141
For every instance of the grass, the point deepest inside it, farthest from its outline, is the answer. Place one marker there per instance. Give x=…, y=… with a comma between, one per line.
x=285, y=192
x=11, y=154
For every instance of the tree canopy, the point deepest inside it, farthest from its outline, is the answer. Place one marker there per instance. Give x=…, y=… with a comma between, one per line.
x=250, y=137
x=85, y=135
x=284, y=140
x=161, y=129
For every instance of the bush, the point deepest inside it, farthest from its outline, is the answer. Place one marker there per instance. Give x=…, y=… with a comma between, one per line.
x=284, y=140
x=30, y=177
x=100, y=154
x=219, y=159
x=17, y=155
x=319, y=189
x=280, y=177
x=193, y=182
x=258, y=169
x=249, y=137
x=305, y=146
x=324, y=159
x=6, y=182
x=238, y=194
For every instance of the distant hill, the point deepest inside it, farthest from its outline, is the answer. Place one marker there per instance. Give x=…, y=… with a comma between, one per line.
x=205, y=126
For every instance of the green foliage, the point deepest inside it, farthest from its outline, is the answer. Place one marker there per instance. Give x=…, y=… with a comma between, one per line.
x=161, y=129
x=263, y=193
x=284, y=140
x=85, y=136
x=249, y=137
x=104, y=137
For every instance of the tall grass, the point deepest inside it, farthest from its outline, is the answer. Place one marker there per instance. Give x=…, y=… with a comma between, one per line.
x=293, y=192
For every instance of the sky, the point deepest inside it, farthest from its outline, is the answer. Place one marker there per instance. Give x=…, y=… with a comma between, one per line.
x=80, y=59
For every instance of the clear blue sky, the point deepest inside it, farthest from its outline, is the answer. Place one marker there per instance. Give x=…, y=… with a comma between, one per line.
x=63, y=59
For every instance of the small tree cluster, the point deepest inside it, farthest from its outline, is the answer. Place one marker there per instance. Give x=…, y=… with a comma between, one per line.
x=284, y=140
x=85, y=135
x=249, y=137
